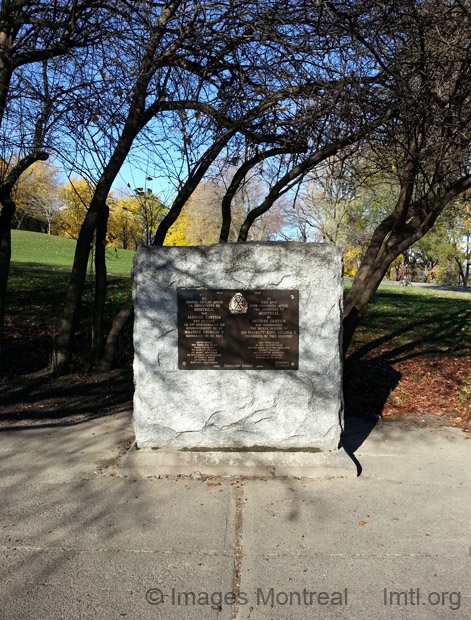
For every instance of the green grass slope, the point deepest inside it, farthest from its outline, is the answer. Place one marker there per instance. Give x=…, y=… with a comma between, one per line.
x=410, y=320
x=30, y=248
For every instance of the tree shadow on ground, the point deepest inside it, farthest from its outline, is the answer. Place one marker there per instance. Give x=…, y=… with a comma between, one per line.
x=30, y=349
x=367, y=386
x=430, y=326
x=434, y=328
x=60, y=401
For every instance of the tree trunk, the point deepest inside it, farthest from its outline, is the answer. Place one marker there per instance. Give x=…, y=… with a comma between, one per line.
x=112, y=341
x=191, y=184
x=234, y=186
x=461, y=275
x=70, y=314
x=5, y=74
x=159, y=238
x=358, y=297
x=299, y=171
x=136, y=119
x=100, y=284
x=6, y=216
x=389, y=240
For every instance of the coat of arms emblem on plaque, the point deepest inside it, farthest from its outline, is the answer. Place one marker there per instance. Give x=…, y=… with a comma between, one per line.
x=238, y=304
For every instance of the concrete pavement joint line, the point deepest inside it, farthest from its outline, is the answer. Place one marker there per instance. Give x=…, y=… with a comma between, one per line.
x=387, y=455
x=170, y=553
x=237, y=557
x=356, y=555
x=226, y=525
x=411, y=483
x=229, y=554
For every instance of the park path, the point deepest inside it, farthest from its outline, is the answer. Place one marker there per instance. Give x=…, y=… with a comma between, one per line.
x=437, y=287
x=83, y=536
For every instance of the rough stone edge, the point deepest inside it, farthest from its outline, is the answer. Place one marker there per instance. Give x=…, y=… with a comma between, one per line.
x=148, y=255
x=173, y=462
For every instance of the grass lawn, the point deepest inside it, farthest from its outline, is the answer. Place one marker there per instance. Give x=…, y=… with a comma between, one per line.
x=35, y=299
x=400, y=320
x=30, y=248
x=36, y=295
x=39, y=277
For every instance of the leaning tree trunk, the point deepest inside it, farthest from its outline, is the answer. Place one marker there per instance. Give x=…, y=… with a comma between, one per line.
x=8, y=209
x=100, y=285
x=70, y=314
x=237, y=179
x=364, y=286
x=391, y=238
x=6, y=72
x=183, y=195
x=208, y=158
x=137, y=118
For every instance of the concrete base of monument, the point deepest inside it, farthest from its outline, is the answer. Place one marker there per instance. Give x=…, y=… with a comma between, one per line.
x=271, y=463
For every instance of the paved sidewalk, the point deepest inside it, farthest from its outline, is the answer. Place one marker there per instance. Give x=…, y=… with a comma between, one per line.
x=84, y=537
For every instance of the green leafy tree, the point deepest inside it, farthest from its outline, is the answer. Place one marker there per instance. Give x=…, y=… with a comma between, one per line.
x=456, y=222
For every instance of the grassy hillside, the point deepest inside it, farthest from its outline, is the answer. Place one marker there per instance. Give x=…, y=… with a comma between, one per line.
x=30, y=248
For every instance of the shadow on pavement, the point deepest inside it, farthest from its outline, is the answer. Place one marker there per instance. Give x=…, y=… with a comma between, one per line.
x=367, y=386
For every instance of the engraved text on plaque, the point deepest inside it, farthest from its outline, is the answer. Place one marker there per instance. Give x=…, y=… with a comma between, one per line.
x=238, y=329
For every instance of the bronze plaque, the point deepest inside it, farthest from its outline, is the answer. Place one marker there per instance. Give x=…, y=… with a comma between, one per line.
x=232, y=329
